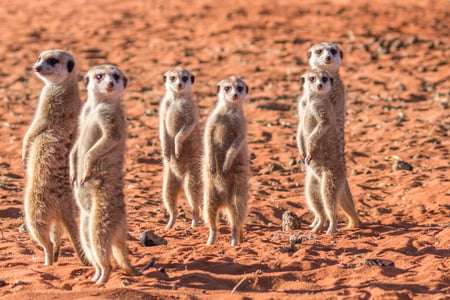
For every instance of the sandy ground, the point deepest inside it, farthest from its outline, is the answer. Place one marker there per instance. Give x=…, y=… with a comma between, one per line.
x=397, y=75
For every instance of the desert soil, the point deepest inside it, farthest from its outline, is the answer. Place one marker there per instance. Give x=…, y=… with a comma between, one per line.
x=397, y=76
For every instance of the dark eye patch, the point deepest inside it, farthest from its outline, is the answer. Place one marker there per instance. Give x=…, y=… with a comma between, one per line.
x=240, y=89
x=52, y=61
x=116, y=77
x=227, y=88
x=319, y=51
x=333, y=51
x=172, y=78
x=99, y=76
x=184, y=78
x=324, y=79
x=312, y=78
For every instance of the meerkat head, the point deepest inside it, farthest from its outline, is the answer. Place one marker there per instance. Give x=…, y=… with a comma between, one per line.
x=325, y=56
x=178, y=81
x=232, y=90
x=105, y=81
x=317, y=82
x=55, y=66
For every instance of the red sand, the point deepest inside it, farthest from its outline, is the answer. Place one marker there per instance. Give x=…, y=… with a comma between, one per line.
x=396, y=68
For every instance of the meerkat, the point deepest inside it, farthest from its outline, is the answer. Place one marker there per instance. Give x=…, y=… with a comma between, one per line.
x=226, y=162
x=318, y=143
x=328, y=56
x=181, y=144
x=49, y=204
x=96, y=163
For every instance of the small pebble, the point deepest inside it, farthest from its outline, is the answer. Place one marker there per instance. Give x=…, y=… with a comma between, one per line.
x=125, y=282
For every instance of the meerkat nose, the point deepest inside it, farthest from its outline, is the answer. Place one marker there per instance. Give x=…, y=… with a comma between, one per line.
x=328, y=58
x=38, y=69
x=319, y=86
x=180, y=85
x=110, y=84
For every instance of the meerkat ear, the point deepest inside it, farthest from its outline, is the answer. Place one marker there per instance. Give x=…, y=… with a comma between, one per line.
x=164, y=78
x=342, y=54
x=309, y=54
x=246, y=89
x=192, y=79
x=331, y=80
x=302, y=80
x=125, y=81
x=218, y=88
x=70, y=65
x=86, y=80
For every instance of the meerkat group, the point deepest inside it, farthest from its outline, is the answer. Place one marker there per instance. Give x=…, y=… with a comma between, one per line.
x=320, y=138
x=73, y=155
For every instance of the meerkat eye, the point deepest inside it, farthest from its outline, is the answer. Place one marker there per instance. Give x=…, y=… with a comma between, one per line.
x=325, y=79
x=240, y=89
x=333, y=51
x=227, y=89
x=52, y=61
x=99, y=76
x=116, y=77
x=172, y=78
x=184, y=78
x=319, y=51
x=312, y=78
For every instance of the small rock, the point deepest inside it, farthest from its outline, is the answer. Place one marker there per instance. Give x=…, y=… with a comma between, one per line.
x=23, y=228
x=378, y=262
x=150, y=264
x=149, y=238
x=16, y=283
x=125, y=282
x=2, y=283
x=290, y=221
x=401, y=87
x=401, y=165
x=293, y=162
x=275, y=167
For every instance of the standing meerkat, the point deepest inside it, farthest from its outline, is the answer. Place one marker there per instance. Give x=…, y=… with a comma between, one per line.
x=328, y=56
x=181, y=144
x=49, y=203
x=226, y=161
x=318, y=143
x=97, y=172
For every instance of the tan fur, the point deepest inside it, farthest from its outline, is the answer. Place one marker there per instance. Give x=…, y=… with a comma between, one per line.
x=318, y=143
x=328, y=56
x=49, y=203
x=97, y=172
x=181, y=144
x=226, y=161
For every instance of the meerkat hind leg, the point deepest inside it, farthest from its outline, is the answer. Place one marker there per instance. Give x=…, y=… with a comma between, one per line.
x=314, y=202
x=236, y=229
x=170, y=190
x=55, y=237
x=192, y=192
x=211, y=208
x=329, y=198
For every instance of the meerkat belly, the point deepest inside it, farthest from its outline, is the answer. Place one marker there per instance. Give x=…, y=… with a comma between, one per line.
x=222, y=139
x=49, y=154
x=174, y=121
